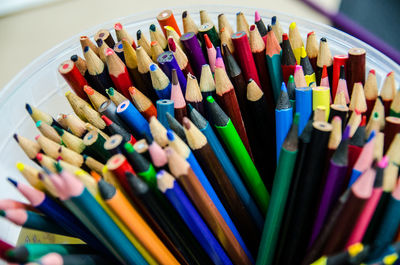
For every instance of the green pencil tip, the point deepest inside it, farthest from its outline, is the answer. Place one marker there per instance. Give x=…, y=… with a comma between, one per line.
x=291, y=79
x=2, y=213
x=296, y=118
x=38, y=123
x=210, y=99
x=129, y=147
x=58, y=166
x=376, y=115
x=110, y=91
x=58, y=130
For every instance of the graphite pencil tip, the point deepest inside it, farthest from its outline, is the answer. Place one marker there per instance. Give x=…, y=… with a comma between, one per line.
x=28, y=108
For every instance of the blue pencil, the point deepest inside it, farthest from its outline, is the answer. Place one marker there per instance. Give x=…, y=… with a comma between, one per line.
x=227, y=165
x=46, y=205
x=83, y=203
x=283, y=118
x=303, y=105
x=183, y=150
x=160, y=82
x=164, y=106
x=132, y=117
x=174, y=193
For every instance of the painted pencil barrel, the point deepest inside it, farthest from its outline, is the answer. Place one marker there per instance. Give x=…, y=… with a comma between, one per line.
x=275, y=73
x=164, y=106
x=168, y=62
x=303, y=106
x=321, y=97
x=283, y=120
x=132, y=117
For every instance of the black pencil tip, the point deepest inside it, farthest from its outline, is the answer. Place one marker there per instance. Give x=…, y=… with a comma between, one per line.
x=74, y=58
x=139, y=34
x=28, y=108
x=14, y=182
x=16, y=137
x=184, y=14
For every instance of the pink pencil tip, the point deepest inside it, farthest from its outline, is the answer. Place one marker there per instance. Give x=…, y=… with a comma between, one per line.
x=37, y=137
x=384, y=162
x=337, y=118
x=298, y=68
x=109, y=51
x=257, y=17
x=118, y=26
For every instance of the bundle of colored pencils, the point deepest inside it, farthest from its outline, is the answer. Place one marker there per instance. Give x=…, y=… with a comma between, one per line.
x=213, y=147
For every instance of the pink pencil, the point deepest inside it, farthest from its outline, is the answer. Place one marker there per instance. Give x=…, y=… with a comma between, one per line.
x=299, y=79
x=363, y=220
x=211, y=52
x=219, y=62
x=8, y=204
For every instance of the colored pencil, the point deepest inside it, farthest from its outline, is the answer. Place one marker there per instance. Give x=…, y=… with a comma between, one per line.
x=291, y=90
x=115, y=145
x=207, y=83
x=342, y=86
x=166, y=18
x=48, y=131
x=333, y=186
x=31, y=174
x=172, y=34
x=230, y=137
x=94, y=143
x=312, y=49
x=392, y=127
x=116, y=129
x=338, y=62
x=306, y=198
x=122, y=33
x=168, y=63
x=211, y=52
x=363, y=221
x=295, y=41
x=156, y=35
x=260, y=133
x=180, y=57
x=39, y=115
x=324, y=58
x=174, y=193
x=85, y=41
x=276, y=27
x=205, y=17
x=118, y=50
x=188, y=23
x=283, y=119
x=388, y=91
x=273, y=54
x=143, y=42
x=188, y=179
x=221, y=183
x=105, y=36
x=303, y=106
x=193, y=94
x=288, y=59
x=354, y=254
x=176, y=127
x=358, y=101
x=193, y=51
x=73, y=77
x=260, y=24
x=223, y=23
x=96, y=99
x=164, y=106
x=132, y=117
x=142, y=103
x=321, y=97
x=308, y=70
x=241, y=23
x=279, y=194
x=143, y=64
x=69, y=259
x=395, y=106
x=244, y=55
x=227, y=165
x=355, y=67
x=299, y=79
x=4, y=246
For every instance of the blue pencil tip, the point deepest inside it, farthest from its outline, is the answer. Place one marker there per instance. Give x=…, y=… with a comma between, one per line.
x=371, y=136
x=346, y=133
x=160, y=173
x=283, y=87
x=153, y=27
x=170, y=135
x=86, y=49
x=47, y=171
x=28, y=108
x=15, y=183
x=153, y=67
x=273, y=20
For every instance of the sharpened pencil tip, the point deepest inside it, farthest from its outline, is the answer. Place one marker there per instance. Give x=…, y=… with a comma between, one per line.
x=186, y=123
x=139, y=34
x=283, y=87
x=2, y=213
x=210, y=99
x=20, y=166
x=153, y=67
x=184, y=14
x=153, y=27
x=273, y=20
x=257, y=16
x=16, y=137
x=28, y=108
x=170, y=135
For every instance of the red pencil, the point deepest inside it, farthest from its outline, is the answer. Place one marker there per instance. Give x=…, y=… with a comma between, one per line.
x=338, y=61
x=74, y=78
x=118, y=73
x=226, y=98
x=118, y=164
x=244, y=56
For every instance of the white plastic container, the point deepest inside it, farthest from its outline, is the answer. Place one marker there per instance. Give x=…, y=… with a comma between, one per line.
x=40, y=84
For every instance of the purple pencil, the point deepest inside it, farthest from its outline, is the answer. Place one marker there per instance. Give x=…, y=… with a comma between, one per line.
x=354, y=29
x=167, y=62
x=333, y=185
x=194, y=52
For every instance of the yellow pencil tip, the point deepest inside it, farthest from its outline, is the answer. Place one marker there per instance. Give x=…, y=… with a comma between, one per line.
x=104, y=169
x=355, y=249
x=20, y=166
x=169, y=28
x=292, y=25
x=67, y=93
x=303, y=52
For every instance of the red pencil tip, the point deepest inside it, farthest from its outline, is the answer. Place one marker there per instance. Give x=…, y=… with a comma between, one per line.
x=106, y=120
x=39, y=156
x=208, y=42
x=131, y=90
x=171, y=44
x=118, y=26
x=391, y=73
x=363, y=120
x=372, y=71
x=285, y=36
x=324, y=72
x=310, y=33
x=153, y=43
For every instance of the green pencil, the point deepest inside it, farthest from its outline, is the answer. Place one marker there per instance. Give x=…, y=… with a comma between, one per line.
x=279, y=194
x=31, y=252
x=241, y=157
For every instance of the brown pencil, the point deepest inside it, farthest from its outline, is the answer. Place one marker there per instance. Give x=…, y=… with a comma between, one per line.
x=371, y=92
x=388, y=92
x=226, y=98
x=325, y=58
x=142, y=103
x=221, y=183
x=105, y=36
x=355, y=68
x=358, y=101
x=392, y=127
x=182, y=171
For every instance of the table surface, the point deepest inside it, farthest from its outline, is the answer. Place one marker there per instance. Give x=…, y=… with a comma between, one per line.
x=28, y=34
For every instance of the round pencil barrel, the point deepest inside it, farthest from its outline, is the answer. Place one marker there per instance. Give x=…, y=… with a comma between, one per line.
x=95, y=146
x=166, y=18
x=226, y=163
x=355, y=68
x=74, y=78
x=244, y=55
x=176, y=127
x=174, y=193
x=324, y=58
x=392, y=127
x=279, y=194
x=167, y=63
x=273, y=54
x=321, y=97
x=194, y=52
x=340, y=111
x=109, y=109
x=100, y=79
x=164, y=106
x=283, y=119
x=338, y=61
x=114, y=128
x=115, y=145
x=288, y=59
x=132, y=117
x=303, y=106
x=239, y=154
